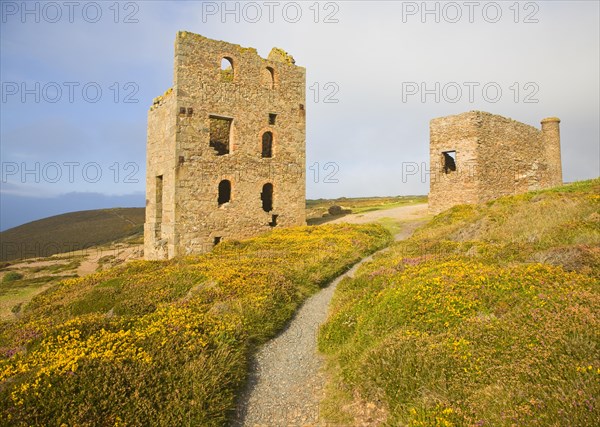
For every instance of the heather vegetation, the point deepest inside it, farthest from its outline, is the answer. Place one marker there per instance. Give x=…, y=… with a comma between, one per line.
x=488, y=316
x=165, y=343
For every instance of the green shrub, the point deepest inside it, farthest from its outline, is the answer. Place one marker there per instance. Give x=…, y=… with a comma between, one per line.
x=11, y=276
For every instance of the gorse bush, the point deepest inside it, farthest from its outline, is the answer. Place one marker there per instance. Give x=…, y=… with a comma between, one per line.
x=165, y=343
x=488, y=316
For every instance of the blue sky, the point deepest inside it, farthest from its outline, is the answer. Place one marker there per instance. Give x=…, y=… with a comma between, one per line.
x=60, y=154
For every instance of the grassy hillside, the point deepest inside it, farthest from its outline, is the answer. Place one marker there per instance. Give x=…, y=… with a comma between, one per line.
x=69, y=232
x=98, y=240
x=80, y=230
x=488, y=316
x=165, y=343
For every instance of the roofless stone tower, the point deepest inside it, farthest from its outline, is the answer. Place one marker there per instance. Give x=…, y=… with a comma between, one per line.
x=478, y=156
x=225, y=149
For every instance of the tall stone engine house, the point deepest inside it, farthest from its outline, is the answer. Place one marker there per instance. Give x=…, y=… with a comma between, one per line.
x=225, y=149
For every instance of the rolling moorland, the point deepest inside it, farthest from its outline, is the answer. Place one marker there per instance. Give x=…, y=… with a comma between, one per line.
x=487, y=316
x=165, y=343
x=80, y=230
x=105, y=238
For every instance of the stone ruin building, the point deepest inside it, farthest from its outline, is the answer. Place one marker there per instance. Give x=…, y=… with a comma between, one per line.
x=478, y=156
x=225, y=148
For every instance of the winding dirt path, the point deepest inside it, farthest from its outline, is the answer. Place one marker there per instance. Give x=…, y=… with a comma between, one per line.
x=401, y=213
x=286, y=379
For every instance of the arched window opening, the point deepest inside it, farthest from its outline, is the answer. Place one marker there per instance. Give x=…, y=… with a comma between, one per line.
x=224, y=192
x=226, y=69
x=267, y=197
x=270, y=78
x=267, y=145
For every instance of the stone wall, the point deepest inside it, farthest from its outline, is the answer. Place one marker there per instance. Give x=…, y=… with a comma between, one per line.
x=252, y=97
x=160, y=161
x=458, y=134
x=495, y=156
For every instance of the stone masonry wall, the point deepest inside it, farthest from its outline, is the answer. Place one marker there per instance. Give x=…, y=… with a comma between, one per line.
x=253, y=97
x=495, y=156
x=459, y=134
x=160, y=161
x=512, y=158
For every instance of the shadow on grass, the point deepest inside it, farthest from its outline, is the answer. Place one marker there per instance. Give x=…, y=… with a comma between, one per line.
x=324, y=220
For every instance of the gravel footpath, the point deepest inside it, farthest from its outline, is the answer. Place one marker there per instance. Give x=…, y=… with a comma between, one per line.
x=286, y=379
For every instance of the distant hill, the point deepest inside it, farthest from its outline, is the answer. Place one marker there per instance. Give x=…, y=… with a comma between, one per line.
x=70, y=231
x=17, y=209
x=89, y=228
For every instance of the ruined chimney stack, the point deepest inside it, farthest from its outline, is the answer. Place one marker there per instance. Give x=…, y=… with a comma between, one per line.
x=551, y=142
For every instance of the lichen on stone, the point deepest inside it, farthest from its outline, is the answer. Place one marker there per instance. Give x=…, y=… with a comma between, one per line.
x=159, y=99
x=551, y=119
x=248, y=50
x=281, y=55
